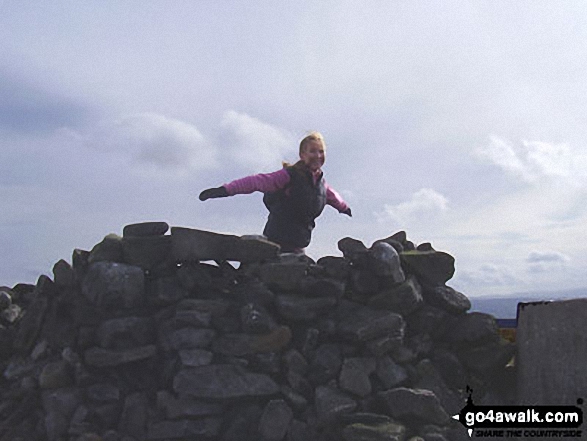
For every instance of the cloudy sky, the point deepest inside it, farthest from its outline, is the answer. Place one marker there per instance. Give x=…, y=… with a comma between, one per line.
x=461, y=122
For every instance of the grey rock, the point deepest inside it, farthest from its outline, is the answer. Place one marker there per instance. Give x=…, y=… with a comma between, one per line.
x=19, y=367
x=143, y=229
x=448, y=299
x=63, y=274
x=331, y=403
x=133, y=420
x=322, y=287
x=224, y=382
x=352, y=248
x=59, y=406
x=181, y=429
x=167, y=291
x=187, y=338
x=297, y=308
x=11, y=314
x=256, y=320
x=326, y=364
x=192, y=318
x=109, y=285
x=430, y=267
x=450, y=368
x=389, y=431
x=383, y=345
x=100, y=357
x=244, y=424
x=430, y=379
x=295, y=400
x=30, y=325
x=390, y=373
x=195, y=357
x=238, y=345
x=485, y=360
x=403, y=299
x=146, y=252
x=295, y=361
x=354, y=375
x=5, y=297
x=335, y=267
x=109, y=250
x=55, y=375
x=473, y=328
x=103, y=392
x=363, y=323
x=190, y=244
x=185, y=406
x=126, y=332
x=283, y=276
x=428, y=319
x=385, y=262
x=216, y=307
x=419, y=405
x=363, y=282
x=275, y=420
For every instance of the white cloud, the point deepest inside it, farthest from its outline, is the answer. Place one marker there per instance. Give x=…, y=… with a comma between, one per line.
x=254, y=144
x=533, y=161
x=158, y=141
x=543, y=261
x=425, y=203
x=488, y=275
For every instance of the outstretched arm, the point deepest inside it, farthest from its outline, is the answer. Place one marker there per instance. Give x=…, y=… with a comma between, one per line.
x=263, y=182
x=335, y=199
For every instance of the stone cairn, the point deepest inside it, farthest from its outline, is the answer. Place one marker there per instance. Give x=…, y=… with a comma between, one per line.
x=156, y=336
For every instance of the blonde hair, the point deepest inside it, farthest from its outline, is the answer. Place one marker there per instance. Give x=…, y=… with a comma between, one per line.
x=312, y=136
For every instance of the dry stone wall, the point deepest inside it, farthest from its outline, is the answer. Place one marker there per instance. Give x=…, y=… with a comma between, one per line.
x=158, y=336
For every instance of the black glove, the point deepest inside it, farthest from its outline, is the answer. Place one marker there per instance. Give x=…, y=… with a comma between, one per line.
x=211, y=193
x=347, y=212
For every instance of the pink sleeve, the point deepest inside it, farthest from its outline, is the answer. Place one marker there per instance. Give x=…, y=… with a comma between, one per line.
x=263, y=182
x=335, y=199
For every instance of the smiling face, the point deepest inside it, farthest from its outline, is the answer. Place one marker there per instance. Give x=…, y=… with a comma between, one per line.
x=313, y=154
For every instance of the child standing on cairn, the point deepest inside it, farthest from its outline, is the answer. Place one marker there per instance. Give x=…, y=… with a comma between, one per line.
x=295, y=196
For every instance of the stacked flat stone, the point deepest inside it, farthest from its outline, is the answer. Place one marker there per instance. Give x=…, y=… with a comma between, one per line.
x=157, y=336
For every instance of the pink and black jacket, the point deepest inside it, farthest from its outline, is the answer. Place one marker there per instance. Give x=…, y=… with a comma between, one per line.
x=295, y=198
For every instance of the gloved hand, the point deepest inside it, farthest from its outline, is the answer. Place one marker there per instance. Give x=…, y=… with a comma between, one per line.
x=347, y=212
x=211, y=193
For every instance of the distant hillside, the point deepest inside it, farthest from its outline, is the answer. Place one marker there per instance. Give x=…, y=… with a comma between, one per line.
x=506, y=306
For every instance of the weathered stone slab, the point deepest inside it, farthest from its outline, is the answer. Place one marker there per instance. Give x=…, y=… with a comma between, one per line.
x=195, y=357
x=552, y=352
x=182, y=429
x=223, y=382
x=55, y=375
x=126, y=332
x=285, y=276
x=114, y=285
x=331, y=402
x=31, y=324
x=191, y=244
x=385, y=262
x=185, y=406
x=239, y=345
x=187, y=338
x=326, y=363
x=447, y=299
x=389, y=431
x=275, y=420
x=419, y=404
x=133, y=421
x=296, y=308
x=354, y=375
x=100, y=357
x=430, y=267
x=146, y=252
x=143, y=229
x=364, y=323
x=109, y=250
x=403, y=299
x=390, y=373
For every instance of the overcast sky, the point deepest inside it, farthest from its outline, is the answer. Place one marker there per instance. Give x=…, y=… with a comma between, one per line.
x=460, y=122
